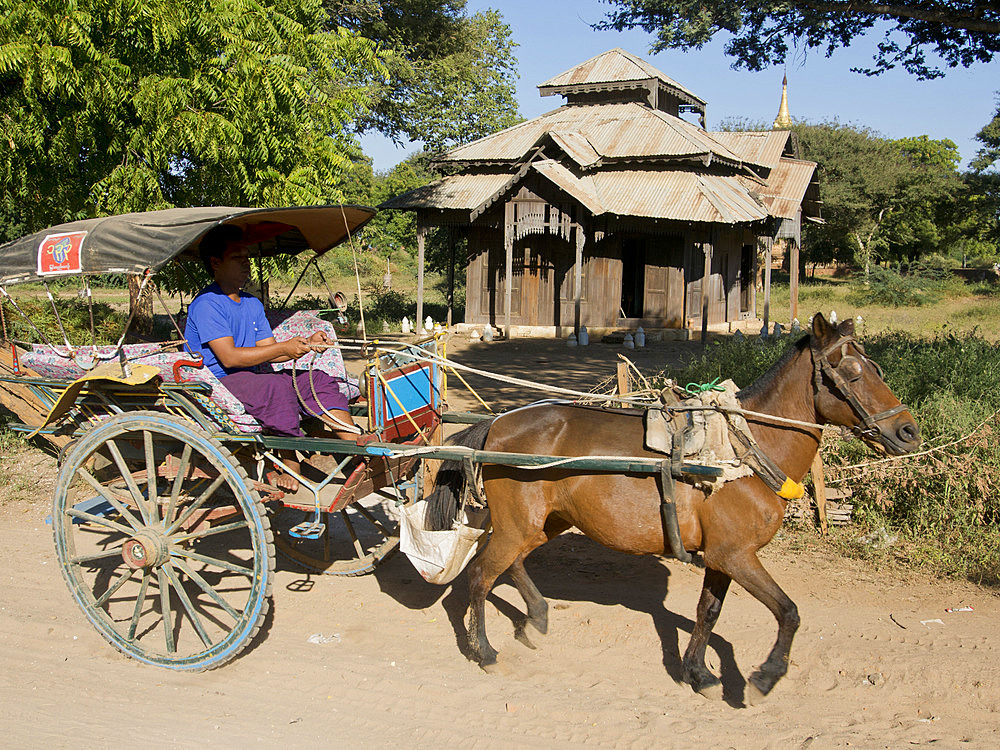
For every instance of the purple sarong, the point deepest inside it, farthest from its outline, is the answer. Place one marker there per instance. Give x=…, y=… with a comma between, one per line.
x=270, y=398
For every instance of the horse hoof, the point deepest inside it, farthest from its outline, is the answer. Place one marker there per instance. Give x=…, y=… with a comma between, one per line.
x=754, y=695
x=494, y=667
x=540, y=624
x=523, y=639
x=712, y=692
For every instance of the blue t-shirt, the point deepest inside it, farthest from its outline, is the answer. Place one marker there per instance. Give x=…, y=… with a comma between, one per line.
x=214, y=315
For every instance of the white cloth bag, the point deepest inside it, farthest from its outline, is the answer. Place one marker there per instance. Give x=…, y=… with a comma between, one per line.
x=439, y=556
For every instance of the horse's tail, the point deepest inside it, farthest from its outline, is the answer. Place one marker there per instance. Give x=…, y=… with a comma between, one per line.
x=449, y=482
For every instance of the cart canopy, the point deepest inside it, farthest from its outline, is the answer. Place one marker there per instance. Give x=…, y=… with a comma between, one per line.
x=133, y=243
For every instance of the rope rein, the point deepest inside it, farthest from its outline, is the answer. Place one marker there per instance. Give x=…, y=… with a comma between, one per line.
x=610, y=398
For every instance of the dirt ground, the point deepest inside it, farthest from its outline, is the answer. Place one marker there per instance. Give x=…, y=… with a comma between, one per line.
x=878, y=662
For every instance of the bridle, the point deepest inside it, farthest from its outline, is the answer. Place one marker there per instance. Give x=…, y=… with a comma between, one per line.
x=853, y=368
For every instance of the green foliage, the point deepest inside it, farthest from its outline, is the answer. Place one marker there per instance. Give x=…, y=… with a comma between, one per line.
x=451, y=75
x=946, y=504
x=741, y=361
x=107, y=109
x=75, y=315
x=959, y=32
x=885, y=286
x=989, y=136
x=882, y=199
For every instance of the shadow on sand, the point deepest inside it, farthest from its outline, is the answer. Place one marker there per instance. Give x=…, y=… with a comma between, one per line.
x=573, y=568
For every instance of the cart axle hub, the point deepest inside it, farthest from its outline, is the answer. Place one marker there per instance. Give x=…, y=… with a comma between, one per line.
x=147, y=549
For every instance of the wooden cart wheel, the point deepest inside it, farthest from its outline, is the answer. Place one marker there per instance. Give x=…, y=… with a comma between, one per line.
x=166, y=547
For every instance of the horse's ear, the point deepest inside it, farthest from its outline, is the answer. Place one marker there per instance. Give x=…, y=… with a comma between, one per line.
x=846, y=328
x=821, y=330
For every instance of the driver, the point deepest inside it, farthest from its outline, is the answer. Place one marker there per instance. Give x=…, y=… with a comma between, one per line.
x=230, y=330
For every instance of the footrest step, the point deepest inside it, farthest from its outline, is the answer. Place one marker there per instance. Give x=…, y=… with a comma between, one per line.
x=308, y=530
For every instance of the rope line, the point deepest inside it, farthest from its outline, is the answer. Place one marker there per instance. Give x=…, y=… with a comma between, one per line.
x=891, y=459
x=428, y=357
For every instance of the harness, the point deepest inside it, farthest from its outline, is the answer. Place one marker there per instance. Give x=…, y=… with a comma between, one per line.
x=821, y=366
x=762, y=464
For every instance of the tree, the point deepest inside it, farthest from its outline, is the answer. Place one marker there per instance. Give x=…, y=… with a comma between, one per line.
x=989, y=136
x=110, y=107
x=961, y=32
x=882, y=199
x=451, y=76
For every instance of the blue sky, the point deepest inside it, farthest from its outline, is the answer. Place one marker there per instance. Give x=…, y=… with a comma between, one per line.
x=554, y=35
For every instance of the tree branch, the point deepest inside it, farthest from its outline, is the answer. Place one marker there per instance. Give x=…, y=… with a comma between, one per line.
x=946, y=16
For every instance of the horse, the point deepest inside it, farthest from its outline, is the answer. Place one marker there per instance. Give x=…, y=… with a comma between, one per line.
x=823, y=378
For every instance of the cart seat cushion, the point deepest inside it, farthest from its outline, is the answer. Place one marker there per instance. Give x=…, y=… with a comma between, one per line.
x=224, y=408
x=55, y=361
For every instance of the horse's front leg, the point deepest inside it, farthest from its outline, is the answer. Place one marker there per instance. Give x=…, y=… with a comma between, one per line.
x=752, y=576
x=696, y=674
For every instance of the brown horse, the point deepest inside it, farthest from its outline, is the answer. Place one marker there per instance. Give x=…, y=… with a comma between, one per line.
x=823, y=378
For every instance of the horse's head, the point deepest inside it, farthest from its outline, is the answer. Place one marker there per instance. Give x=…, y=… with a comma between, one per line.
x=850, y=391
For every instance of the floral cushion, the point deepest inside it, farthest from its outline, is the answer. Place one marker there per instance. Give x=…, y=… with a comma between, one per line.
x=223, y=407
x=56, y=362
x=305, y=323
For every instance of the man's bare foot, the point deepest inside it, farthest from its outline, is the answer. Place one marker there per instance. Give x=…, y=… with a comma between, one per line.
x=284, y=482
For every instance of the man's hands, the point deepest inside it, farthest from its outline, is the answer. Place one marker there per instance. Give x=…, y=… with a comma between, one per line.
x=267, y=350
x=297, y=346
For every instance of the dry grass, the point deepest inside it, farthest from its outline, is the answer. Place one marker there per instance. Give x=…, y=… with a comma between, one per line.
x=968, y=308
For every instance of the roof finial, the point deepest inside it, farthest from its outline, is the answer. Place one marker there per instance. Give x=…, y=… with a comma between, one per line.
x=783, y=120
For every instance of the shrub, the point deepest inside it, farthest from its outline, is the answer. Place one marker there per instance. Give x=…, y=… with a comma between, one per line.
x=75, y=316
x=885, y=286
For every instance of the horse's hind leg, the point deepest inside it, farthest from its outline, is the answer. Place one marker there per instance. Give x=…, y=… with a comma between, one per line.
x=696, y=674
x=500, y=554
x=759, y=583
x=538, y=608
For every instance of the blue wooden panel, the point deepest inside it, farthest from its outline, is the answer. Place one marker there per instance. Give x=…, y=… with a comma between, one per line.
x=413, y=390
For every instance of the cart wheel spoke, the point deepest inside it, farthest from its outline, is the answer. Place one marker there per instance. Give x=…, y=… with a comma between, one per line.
x=95, y=556
x=151, y=493
x=187, y=604
x=204, y=586
x=165, y=614
x=140, y=599
x=175, y=488
x=349, y=525
x=115, y=502
x=122, y=579
x=126, y=474
x=186, y=588
x=98, y=520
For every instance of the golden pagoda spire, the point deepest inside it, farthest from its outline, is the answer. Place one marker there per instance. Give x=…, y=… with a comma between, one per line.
x=783, y=120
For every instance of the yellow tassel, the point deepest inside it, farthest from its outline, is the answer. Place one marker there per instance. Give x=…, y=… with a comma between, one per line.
x=791, y=490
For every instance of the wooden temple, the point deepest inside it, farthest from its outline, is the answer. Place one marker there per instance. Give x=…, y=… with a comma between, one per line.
x=613, y=211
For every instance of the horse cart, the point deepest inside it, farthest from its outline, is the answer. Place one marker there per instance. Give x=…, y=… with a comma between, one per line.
x=165, y=525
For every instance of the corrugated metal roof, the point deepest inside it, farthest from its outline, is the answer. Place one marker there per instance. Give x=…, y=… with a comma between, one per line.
x=576, y=146
x=763, y=148
x=614, y=66
x=461, y=191
x=614, y=131
x=581, y=188
x=678, y=195
x=786, y=188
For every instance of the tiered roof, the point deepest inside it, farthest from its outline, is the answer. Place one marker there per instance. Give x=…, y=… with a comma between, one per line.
x=627, y=157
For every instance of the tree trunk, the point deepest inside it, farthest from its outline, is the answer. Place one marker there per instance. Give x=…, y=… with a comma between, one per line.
x=142, y=322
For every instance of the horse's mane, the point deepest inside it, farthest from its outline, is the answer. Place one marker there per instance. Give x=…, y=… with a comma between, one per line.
x=764, y=381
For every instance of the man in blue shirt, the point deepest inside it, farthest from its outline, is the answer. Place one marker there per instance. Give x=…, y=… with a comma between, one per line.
x=230, y=330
